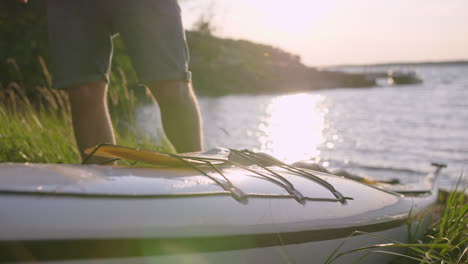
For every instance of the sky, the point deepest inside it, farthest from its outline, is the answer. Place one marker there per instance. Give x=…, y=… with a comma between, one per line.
x=336, y=32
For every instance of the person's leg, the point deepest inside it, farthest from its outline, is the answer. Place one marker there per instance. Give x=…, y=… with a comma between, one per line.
x=155, y=40
x=80, y=45
x=90, y=116
x=179, y=113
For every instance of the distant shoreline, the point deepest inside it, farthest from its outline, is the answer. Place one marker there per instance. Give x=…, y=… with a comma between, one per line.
x=417, y=63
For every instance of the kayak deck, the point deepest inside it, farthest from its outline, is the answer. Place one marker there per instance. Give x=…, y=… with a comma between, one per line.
x=61, y=212
x=102, y=201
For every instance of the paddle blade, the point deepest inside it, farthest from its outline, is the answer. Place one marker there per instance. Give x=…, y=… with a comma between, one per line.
x=151, y=157
x=212, y=154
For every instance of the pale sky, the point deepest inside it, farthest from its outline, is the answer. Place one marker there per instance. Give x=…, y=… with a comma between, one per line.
x=331, y=32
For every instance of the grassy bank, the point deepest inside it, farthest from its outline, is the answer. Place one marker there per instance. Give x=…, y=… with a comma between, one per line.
x=47, y=137
x=32, y=136
x=446, y=242
x=40, y=130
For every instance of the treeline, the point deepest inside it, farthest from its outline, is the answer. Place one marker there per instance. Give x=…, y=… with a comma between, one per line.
x=219, y=66
x=225, y=66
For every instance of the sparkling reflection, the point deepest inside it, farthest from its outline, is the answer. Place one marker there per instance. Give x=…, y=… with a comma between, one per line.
x=293, y=127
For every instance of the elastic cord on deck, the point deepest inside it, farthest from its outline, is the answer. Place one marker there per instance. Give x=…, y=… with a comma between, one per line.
x=260, y=160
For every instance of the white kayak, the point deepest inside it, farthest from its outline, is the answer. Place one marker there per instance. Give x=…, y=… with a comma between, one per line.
x=58, y=213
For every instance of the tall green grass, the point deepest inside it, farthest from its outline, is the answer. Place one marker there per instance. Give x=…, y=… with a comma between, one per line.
x=445, y=243
x=46, y=136
x=36, y=136
x=35, y=122
x=451, y=232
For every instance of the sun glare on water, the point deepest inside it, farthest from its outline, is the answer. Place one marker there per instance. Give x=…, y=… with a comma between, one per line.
x=292, y=129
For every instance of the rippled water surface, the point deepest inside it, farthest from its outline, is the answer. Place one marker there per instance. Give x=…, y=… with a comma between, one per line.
x=385, y=132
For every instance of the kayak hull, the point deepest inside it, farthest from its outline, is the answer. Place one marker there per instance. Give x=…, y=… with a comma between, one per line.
x=99, y=214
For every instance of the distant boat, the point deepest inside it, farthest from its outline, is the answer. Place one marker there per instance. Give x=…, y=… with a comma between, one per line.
x=395, y=77
x=403, y=77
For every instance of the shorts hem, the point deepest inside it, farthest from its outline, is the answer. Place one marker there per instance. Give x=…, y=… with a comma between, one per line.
x=169, y=76
x=86, y=79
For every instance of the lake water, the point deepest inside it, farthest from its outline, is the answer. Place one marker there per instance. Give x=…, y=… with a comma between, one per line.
x=383, y=132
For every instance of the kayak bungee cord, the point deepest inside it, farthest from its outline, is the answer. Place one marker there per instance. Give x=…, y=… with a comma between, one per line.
x=184, y=160
x=229, y=187
x=273, y=161
x=288, y=186
x=196, y=162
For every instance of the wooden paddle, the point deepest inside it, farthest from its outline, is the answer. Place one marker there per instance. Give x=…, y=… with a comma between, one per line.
x=154, y=157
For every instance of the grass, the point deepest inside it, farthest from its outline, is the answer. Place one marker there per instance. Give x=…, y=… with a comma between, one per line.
x=33, y=136
x=445, y=243
x=451, y=232
x=36, y=122
x=47, y=137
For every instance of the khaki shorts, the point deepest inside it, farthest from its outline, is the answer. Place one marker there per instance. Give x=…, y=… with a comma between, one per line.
x=81, y=34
